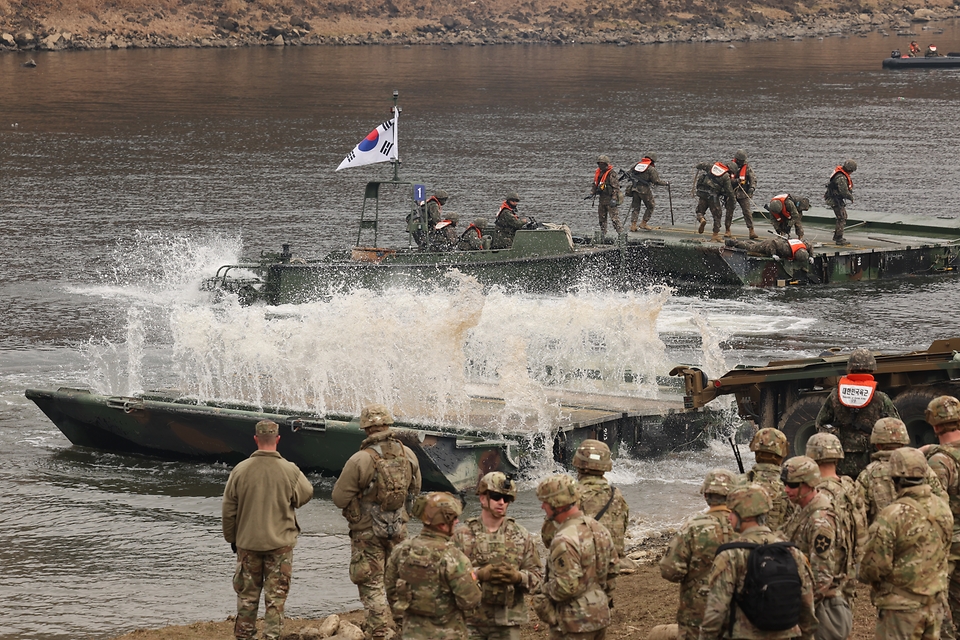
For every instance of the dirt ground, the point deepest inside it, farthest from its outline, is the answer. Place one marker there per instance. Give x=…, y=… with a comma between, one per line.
x=643, y=600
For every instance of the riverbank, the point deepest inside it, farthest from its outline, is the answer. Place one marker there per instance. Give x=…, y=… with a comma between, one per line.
x=120, y=24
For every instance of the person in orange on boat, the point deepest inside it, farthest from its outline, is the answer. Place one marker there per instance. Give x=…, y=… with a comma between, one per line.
x=932, y=52
x=914, y=49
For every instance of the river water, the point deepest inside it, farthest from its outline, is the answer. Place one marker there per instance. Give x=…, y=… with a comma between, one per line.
x=128, y=176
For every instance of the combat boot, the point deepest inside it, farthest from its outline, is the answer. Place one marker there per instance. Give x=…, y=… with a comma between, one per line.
x=645, y=226
x=728, y=233
x=716, y=237
x=753, y=234
x=703, y=225
x=633, y=226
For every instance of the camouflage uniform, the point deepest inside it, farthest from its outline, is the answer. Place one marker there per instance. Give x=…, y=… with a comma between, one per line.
x=472, y=238
x=445, y=238
x=688, y=560
x=507, y=223
x=607, y=186
x=944, y=460
x=851, y=512
x=709, y=190
x=431, y=583
x=503, y=608
x=794, y=216
x=642, y=193
x=743, y=189
x=773, y=246
x=838, y=191
x=767, y=475
x=876, y=486
x=853, y=427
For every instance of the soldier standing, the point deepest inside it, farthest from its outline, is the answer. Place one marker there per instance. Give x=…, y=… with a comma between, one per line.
x=787, y=210
x=905, y=561
x=434, y=212
x=744, y=184
x=689, y=556
x=851, y=410
x=749, y=505
x=372, y=491
x=713, y=182
x=839, y=190
x=506, y=558
x=943, y=414
x=770, y=448
x=606, y=185
x=260, y=523
x=581, y=566
x=643, y=175
x=817, y=531
x=429, y=581
x=508, y=222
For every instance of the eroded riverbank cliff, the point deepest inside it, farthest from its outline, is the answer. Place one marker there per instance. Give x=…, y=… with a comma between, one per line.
x=27, y=25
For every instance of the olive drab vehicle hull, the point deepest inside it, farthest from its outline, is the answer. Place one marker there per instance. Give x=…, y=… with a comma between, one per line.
x=452, y=457
x=788, y=394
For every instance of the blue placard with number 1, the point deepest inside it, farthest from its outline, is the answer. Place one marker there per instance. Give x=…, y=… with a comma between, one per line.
x=419, y=192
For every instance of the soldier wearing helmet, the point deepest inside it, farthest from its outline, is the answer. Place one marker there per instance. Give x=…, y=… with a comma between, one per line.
x=786, y=211
x=598, y=498
x=796, y=251
x=472, y=239
x=712, y=183
x=744, y=184
x=444, y=235
x=690, y=553
x=906, y=557
x=581, y=566
x=770, y=448
x=372, y=490
x=606, y=185
x=851, y=410
x=433, y=211
x=839, y=190
x=506, y=561
x=749, y=505
x=508, y=222
x=430, y=582
x=817, y=530
x=640, y=178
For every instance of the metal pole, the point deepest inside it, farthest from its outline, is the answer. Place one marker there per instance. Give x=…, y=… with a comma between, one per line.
x=670, y=197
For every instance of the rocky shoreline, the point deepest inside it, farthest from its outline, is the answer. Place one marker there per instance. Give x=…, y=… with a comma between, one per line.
x=169, y=28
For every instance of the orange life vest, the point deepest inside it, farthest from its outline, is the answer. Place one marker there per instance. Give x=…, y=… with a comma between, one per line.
x=840, y=169
x=796, y=245
x=784, y=214
x=855, y=390
x=442, y=224
x=600, y=177
x=742, y=176
x=718, y=169
x=643, y=165
x=506, y=206
x=475, y=229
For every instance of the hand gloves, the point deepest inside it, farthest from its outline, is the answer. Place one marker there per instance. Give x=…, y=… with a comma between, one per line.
x=485, y=573
x=507, y=574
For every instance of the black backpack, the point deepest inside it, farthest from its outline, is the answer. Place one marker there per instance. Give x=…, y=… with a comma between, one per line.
x=771, y=596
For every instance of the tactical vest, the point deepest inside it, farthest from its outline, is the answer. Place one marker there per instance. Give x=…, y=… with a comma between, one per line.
x=492, y=548
x=419, y=580
x=784, y=214
x=384, y=497
x=832, y=188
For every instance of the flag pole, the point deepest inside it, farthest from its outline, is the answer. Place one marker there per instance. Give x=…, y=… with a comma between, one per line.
x=396, y=124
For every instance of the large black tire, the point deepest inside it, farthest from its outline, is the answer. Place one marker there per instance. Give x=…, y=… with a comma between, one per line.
x=912, y=405
x=798, y=423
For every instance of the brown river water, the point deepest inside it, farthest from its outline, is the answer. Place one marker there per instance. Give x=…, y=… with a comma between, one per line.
x=128, y=176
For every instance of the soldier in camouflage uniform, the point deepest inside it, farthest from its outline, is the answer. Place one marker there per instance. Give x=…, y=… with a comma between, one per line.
x=472, y=238
x=874, y=482
x=434, y=213
x=851, y=410
x=372, y=490
x=713, y=182
x=581, y=566
x=817, y=530
x=429, y=581
x=642, y=176
x=839, y=190
x=260, y=523
x=776, y=246
x=506, y=561
x=749, y=505
x=770, y=448
x=690, y=554
x=606, y=185
x=788, y=210
x=744, y=184
x=905, y=561
x=943, y=414
x=507, y=223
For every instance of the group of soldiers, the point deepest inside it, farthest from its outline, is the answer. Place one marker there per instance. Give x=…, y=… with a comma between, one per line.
x=443, y=235
x=720, y=187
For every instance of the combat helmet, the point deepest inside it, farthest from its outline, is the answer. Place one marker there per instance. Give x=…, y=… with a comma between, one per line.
x=861, y=361
x=592, y=455
x=480, y=223
x=775, y=206
x=718, y=481
x=436, y=508
x=802, y=202
x=770, y=440
x=801, y=256
x=801, y=469
x=558, y=491
x=603, y=158
x=850, y=165
x=497, y=482
x=889, y=431
x=375, y=415
x=943, y=410
x=740, y=157
x=440, y=194
x=512, y=195
x=653, y=157
x=749, y=501
x=824, y=446
x=907, y=462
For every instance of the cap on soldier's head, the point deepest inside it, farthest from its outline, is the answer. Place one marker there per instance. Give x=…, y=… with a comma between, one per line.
x=740, y=156
x=559, y=490
x=604, y=159
x=822, y=447
x=850, y=165
x=592, y=455
x=801, y=469
x=512, y=195
x=438, y=507
x=652, y=156
x=497, y=482
x=861, y=361
x=889, y=431
x=749, y=500
x=775, y=206
x=480, y=223
x=907, y=462
x=440, y=194
x=375, y=415
x=718, y=481
x=770, y=440
x=944, y=412
x=267, y=428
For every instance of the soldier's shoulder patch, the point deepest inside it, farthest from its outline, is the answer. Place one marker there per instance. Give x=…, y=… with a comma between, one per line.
x=822, y=542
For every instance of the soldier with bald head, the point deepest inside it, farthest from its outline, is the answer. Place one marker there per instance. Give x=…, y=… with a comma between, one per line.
x=690, y=554
x=373, y=489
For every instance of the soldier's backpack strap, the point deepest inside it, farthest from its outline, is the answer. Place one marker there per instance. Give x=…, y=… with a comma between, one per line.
x=733, y=601
x=613, y=493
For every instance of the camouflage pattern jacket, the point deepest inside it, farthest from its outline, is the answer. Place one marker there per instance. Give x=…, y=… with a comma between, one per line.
x=855, y=425
x=643, y=180
x=876, y=485
x=689, y=558
x=431, y=583
x=905, y=562
x=726, y=579
x=944, y=460
x=852, y=518
x=511, y=544
x=768, y=476
x=816, y=531
x=745, y=190
x=711, y=186
x=581, y=565
x=595, y=493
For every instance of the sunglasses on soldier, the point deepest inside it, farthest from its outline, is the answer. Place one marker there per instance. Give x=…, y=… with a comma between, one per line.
x=497, y=497
x=792, y=485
